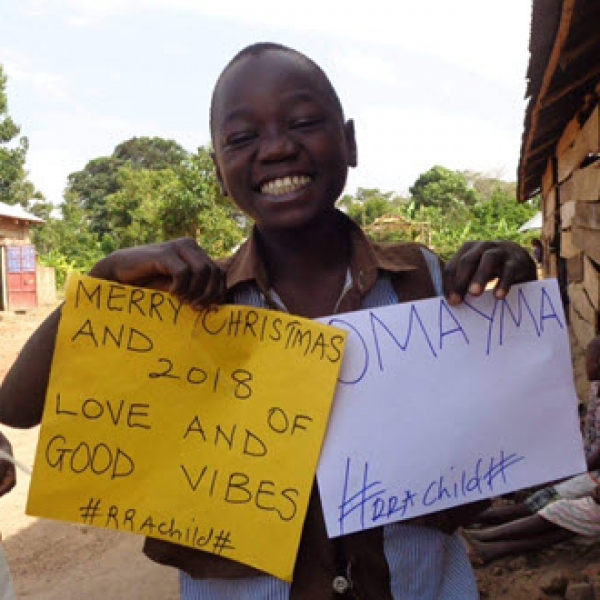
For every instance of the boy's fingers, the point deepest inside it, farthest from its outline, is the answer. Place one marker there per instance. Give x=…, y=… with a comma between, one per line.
x=490, y=267
x=476, y=264
x=180, y=267
x=463, y=267
x=205, y=280
x=505, y=279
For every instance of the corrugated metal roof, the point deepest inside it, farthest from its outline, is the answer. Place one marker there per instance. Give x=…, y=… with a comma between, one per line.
x=564, y=68
x=16, y=211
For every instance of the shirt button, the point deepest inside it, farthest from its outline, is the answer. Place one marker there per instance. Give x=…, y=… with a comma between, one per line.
x=341, y=585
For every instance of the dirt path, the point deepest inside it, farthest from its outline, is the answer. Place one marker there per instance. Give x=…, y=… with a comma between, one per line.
x=61, y=561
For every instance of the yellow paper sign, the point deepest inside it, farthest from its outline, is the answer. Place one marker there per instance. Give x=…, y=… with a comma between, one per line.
x=203, y=429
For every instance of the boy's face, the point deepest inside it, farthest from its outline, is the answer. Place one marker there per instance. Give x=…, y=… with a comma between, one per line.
x=281, y=148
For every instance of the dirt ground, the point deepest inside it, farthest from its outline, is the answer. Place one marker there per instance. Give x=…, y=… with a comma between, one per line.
x=59, y=561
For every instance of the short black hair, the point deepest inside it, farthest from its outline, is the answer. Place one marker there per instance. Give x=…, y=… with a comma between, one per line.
x=256, y=50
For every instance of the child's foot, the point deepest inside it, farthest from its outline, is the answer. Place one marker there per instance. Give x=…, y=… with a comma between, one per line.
x=476, y=534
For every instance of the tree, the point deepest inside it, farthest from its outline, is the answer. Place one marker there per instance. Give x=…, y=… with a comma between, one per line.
x=66, y=243
x=368, y=204
x=449, y=209
x=200, y=191
x=132, y=212
x=155, y=205
x=152, y=153
x=99, y=179
x=486, y=184
x=118, y=201
x=501, y=216
x=443, y=188
x=14, y=186
x=90, y=187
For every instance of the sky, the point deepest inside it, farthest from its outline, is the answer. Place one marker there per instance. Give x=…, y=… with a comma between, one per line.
x=427, y=82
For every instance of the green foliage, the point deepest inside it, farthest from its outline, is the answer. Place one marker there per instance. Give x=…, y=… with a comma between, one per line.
x=67, y=244
x=152, y=206
x=90, y=187
x=442, y=188
x=152, y=153
x=8, y=129
x=218, y=233
x=132, y=211
x=14, y=186
x=99, y=179
x=367, y=205
x=126, y=200
x=451, y=209
x=185, y=209
x=486, y=185
x=62, y=267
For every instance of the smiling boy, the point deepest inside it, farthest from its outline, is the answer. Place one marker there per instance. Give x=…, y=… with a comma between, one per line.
x=282, y=149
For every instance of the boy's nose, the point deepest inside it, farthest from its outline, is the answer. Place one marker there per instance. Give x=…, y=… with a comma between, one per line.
x=277, y=146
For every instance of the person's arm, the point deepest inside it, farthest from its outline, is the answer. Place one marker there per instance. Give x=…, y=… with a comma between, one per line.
x=23, y=391
x=180, y=267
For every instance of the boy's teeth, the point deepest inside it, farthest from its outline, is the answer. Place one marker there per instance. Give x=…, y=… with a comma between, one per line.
x=284, y=185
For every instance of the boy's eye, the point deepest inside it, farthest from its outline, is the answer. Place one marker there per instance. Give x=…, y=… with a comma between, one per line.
x=239, y=138
x=304, y=122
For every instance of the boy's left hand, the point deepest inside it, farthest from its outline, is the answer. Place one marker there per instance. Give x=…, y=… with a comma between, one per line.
x=478, y=263
x=8, y=475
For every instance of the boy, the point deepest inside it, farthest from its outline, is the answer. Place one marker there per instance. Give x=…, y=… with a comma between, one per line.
x=282, y=150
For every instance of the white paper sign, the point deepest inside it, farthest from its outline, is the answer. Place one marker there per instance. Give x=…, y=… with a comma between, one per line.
x=441, y=406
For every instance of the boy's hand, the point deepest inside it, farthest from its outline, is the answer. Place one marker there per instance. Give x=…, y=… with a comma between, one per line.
x=8, y=475
x=180, y=267
x=478, y=263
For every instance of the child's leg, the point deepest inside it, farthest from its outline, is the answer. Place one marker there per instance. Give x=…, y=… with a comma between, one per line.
x=484, y=552
x=527, y=527
x=503, y=514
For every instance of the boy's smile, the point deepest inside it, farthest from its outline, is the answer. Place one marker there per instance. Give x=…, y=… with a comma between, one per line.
x=284, y=185
x=282, y=149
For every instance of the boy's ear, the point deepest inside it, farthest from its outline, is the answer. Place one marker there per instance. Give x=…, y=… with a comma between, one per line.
x=213, y=156
x=351, y=143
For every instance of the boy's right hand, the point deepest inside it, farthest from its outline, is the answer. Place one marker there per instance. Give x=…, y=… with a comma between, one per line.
x=179, y=267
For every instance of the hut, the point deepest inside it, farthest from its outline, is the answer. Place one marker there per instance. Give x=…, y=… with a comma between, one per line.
x=560, y=152
x=18, y=264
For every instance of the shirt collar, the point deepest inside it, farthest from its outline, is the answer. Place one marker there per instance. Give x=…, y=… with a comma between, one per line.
x=367, y=259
